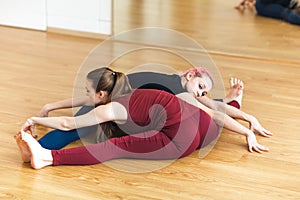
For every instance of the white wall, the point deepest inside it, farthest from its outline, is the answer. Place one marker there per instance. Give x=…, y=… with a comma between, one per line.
x=80, y=15
x=24, y=13
x=92, y=16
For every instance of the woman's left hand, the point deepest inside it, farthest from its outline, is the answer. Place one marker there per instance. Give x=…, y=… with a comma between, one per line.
x=254, y=145
x=29, y=126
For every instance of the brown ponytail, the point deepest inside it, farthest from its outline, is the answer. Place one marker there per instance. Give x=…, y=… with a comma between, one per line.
x=116, y=84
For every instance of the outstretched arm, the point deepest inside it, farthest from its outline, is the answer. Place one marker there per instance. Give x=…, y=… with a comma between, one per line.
x=227, y=122
x=67, y=103
x=236, y=114
x=103, y=113
x=232, y=125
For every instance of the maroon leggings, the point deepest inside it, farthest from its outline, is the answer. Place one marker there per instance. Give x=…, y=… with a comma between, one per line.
x=235, y=104
x=161, y=127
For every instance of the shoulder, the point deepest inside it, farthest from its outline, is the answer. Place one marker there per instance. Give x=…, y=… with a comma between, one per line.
x=113, y=111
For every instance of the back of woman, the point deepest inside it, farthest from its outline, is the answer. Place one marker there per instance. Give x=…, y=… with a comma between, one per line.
x=182, y=122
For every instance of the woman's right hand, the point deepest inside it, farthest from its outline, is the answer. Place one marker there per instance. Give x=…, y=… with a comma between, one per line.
x=29, y=126
x=254, y=145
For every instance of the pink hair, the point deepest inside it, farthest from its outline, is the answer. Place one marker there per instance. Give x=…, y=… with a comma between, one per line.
x=198, y=71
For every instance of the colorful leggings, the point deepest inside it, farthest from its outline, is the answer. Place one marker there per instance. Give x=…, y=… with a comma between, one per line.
x=277, y=11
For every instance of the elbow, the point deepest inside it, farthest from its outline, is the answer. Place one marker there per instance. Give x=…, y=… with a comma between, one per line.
x=219, y=118
x=221, y=107
x=67, y=125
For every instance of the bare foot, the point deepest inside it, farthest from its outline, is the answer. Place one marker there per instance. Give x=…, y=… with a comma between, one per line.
x=250, y=5
x=241, y=5
x=236, y=91
x=40, y=157
x=24, y=150
x=246, y=5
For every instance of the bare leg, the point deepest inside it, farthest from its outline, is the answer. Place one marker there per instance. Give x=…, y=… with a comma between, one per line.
x=236, y=91
x=24, y=150
x=40, y=157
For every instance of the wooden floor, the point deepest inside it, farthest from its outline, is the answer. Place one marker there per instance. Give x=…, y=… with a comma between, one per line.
x=37, y=68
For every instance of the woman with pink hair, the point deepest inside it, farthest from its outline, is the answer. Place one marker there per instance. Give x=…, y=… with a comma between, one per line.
x=197, y=81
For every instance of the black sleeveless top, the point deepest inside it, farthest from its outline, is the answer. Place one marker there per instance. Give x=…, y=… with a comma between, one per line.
x=158, y=81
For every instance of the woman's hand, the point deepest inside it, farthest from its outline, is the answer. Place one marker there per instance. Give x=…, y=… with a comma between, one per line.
x=29, y=126
x=254, y=145
x=255, y=126
x=44, y=111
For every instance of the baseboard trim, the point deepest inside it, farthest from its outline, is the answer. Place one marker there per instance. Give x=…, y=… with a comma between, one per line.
x=77, y=33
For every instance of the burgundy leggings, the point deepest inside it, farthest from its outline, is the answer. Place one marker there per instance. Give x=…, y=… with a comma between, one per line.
x=235, y=104
x=182, y=129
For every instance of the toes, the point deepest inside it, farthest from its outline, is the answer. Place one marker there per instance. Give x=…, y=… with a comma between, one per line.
x=18, y=135
x=236, y=83
x=241, y=84
x=232, y=82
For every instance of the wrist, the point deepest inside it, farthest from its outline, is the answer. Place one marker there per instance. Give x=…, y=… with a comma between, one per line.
x=249, y=118
x=31, y=120
x=48, y=107
x=249, y=133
